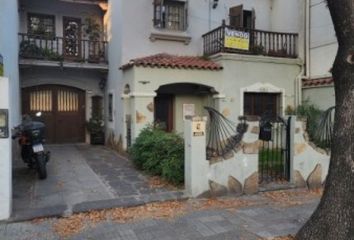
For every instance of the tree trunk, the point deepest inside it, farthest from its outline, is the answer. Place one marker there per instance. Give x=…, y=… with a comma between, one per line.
x=334, y=217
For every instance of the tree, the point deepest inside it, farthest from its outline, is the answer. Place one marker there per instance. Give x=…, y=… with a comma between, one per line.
x=334, y=217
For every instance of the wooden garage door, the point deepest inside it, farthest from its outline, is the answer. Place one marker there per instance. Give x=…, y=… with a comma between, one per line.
x=63, y=111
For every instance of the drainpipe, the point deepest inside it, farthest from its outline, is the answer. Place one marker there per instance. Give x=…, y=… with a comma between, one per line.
x=305, y=70
x=307, y=37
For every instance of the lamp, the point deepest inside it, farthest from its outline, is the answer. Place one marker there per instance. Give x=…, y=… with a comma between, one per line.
x=102, y=83
x=215, y=3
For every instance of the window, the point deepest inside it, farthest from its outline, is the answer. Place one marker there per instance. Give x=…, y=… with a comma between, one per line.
x=260, y=104
x=240, y=18
x=40, y=24
x=110, y=107
x=170, y=14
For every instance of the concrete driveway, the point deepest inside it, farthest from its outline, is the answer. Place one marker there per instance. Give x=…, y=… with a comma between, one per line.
x=81, y=178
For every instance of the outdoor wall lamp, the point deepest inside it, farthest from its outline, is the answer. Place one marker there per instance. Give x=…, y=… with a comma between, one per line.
x=215, y=3
x=102, y=83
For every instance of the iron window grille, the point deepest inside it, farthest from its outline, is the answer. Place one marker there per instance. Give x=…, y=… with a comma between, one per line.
x=170, y=15
x=41, y=25
x=110, y=107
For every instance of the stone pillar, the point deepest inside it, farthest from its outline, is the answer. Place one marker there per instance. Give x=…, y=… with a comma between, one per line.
x=196, y=166
x=142, y=111
x=6, y=155
x=292, y=123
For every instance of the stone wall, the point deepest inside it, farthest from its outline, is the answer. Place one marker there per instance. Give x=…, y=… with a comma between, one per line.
x=310, y=163
x=239, y=173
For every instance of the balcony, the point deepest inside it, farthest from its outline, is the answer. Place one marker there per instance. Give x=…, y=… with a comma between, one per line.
x=250, y=41
x=51, y=51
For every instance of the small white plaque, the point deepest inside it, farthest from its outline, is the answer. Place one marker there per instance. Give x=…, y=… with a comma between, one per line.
x=188, y=110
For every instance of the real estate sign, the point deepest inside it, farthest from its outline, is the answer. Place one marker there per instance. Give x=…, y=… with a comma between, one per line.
x=237, y=39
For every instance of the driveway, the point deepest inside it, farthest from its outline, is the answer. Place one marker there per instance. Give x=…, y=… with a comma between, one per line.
x=80, y=178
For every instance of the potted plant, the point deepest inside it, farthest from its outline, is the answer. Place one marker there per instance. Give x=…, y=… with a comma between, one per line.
x=95, y=126
x=92, y=30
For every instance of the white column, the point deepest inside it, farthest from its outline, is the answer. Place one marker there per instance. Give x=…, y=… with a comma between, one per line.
x=6, y=157
x=9, y=48
x=195, y=163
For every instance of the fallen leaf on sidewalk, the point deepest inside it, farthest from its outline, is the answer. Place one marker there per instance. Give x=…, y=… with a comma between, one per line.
x=152, y=210
x=292, y=197
x=289, y=237
x=66, y=227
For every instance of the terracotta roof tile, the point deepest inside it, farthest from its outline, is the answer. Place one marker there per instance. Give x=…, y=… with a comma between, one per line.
x=319, y=82
x=164, y=60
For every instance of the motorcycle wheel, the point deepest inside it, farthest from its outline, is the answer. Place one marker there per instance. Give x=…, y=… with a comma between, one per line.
x=41, y=166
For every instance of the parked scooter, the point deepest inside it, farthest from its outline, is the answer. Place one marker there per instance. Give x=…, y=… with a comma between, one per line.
x=31, y=139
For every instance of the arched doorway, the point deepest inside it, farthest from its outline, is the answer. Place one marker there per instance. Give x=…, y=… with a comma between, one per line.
x=63, y=111
x=174, y=101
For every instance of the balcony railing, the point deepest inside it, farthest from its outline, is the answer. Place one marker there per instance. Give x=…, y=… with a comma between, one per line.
x=62, y=49
x=275, y=44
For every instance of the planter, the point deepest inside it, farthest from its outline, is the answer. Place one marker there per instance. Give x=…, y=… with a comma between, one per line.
x=97, y=138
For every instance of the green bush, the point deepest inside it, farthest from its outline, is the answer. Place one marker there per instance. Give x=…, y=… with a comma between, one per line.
x=159, y=153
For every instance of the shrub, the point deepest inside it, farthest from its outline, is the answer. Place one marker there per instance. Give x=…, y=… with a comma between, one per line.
x=313, y=116
x=159, y=153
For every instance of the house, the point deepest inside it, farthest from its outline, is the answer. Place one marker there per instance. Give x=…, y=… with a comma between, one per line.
x=168, y=59
x=77, y=58
x=321, y=51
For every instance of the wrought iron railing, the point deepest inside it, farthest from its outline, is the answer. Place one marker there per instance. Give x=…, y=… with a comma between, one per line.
x=275, y=44
x=62, y=49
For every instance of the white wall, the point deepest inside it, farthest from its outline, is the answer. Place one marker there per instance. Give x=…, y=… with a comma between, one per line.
x=9, y=50
x=113, y=25
x=241, y=73
x=323, y=43
x=322, y=97
x=138, y=24
x=6, y=156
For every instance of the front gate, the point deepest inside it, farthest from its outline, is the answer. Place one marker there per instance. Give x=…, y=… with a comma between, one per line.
x=274, y=154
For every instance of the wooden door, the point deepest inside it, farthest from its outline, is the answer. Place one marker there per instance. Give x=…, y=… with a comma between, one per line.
x=236, y=16
x=63, y=111
x=72, y=38
x=164, y=111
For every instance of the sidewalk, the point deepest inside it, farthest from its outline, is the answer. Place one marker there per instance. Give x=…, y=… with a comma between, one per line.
x=261, y=216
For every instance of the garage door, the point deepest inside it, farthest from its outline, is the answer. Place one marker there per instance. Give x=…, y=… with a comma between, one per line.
x=63, y=111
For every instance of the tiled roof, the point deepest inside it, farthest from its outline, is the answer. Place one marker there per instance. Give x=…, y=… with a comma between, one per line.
x=319, y=82
x=164, y=60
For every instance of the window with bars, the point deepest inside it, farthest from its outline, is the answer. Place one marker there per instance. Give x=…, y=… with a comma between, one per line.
x=41, y=24
x=261, y=104
x=170, y=15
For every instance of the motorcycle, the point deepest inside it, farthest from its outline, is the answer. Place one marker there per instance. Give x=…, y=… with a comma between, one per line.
x=31, y=138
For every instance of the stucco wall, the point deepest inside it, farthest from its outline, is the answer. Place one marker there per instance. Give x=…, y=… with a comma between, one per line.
x=199, y=103
x=322, y=97
x=137, y=30
x=242, y=72
x=323, y=43
x=9, y=50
